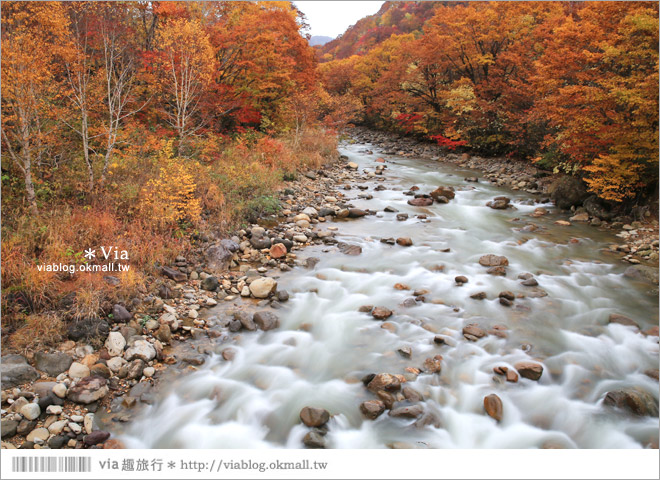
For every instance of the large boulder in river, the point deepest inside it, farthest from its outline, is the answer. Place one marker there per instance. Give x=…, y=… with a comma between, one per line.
x=15, y=371
x=447, y=192
x=491, y=260
x=568, y=191
x=637, y=402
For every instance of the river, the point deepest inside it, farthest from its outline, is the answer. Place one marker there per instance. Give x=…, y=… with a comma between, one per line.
x=325, y=346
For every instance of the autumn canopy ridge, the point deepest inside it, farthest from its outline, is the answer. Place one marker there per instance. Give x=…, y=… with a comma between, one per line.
x=570, y=86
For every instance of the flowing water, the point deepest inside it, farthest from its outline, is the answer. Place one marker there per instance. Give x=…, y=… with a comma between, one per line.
x=325, y=346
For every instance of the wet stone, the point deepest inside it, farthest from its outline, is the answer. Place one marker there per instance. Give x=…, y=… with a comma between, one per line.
x=314, y=417
x=372, y=409
x=493, y=406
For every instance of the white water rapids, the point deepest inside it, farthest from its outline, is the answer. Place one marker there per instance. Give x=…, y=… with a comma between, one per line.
x=324, y=346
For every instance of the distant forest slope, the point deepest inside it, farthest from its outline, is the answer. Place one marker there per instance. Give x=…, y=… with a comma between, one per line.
x=319, y=40
x=392, y=18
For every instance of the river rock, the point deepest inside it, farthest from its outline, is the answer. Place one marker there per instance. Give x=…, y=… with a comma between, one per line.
x=433, y=364
x=120, y=314
x=642, y=272
x=78, y=370
x=356, y=213
x=493, y=406
x=8, y=427
x=507, y=294
x=461, y=279
x=384, y=381
x=473, y=332
x=349, y=249
x=210, y=284
x=38, y=435
x=420, y=202
x=15, y=371
x=580, y=217
x=246, y=320
x=278, y=250
x=413, y=411
x=497, y=271
x=568, y=191
x=164, y=333
x=95, y=438
x=52, y=363
x=140, y=349
x=266, y=320
x=499, y=203
x=174, y=274
x=352, y=165
x=88, y=390
x=447, y=192
x=635, y=401
x=404, y=241
x=381, y=313
x=263, y=287
x=372, y=409
x=31, y=411
x=115, y=344
x=622, y=320
x=218, y=257
x=100, y=370
x=530, y=370
x=491, y=260
x=59, y=390
x=314, y=417
x=479, y=296
x=88, y=329
x=314, y=439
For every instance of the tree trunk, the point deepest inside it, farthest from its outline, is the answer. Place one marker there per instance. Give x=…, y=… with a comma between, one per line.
x=29, y=188
x=88, y=161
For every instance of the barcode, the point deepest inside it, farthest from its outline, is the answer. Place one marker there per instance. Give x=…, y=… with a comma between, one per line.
x=51, y=464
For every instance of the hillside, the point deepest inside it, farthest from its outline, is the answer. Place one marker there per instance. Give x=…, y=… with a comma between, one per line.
x=392, y=18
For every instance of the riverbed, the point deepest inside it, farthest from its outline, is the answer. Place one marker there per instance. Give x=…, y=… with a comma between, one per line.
x=325, y=346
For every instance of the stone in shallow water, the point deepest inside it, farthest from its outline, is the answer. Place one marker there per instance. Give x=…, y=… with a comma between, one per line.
x=530, y=370
x=384, y=381
x=314, y=440
x=493, y=406
x=473, y=332
x=381, y=313
x=413, y=411
x=491, y=260
x=314, y=417
x=634, y=401
x=372, y=409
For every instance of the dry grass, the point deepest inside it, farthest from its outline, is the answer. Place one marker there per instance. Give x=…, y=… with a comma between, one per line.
x=37, y=332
